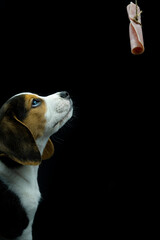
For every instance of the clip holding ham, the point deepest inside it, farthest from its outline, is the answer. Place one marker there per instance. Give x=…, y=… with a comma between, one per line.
x=135, y=29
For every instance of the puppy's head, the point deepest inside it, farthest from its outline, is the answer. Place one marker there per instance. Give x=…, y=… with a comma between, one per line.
x=26, y=123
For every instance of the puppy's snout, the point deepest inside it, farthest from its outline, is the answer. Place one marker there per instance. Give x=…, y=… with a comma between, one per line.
x=64, y=94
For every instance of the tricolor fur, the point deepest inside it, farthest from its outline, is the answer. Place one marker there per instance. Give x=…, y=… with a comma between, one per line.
x=26, y=123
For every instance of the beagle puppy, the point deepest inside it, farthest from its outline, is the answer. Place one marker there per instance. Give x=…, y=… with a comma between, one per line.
x=26, y=123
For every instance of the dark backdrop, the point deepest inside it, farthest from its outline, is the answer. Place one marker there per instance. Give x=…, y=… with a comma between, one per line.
x=2, y=3
x=99, y=179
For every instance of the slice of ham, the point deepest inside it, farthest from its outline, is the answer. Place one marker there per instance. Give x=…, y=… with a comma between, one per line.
x=135, y=29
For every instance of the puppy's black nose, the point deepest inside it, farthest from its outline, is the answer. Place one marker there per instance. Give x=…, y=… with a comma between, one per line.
x=64, y=94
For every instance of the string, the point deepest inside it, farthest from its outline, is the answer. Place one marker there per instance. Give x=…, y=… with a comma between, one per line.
x=135, y=19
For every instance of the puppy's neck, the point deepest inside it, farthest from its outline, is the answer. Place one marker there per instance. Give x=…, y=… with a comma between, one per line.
x=28, y=173
x=41, y=143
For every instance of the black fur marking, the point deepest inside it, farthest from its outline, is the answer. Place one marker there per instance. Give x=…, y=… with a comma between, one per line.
x=13, y=218
x=9, y=162
x=17, y=106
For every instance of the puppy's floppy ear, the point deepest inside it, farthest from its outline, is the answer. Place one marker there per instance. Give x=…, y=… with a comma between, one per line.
x=48, y=151
x=17, y=141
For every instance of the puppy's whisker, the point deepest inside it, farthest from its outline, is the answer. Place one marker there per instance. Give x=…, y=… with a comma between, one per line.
x=57, y=139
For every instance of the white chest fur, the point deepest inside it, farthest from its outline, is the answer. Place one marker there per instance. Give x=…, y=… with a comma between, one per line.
x=23, y=182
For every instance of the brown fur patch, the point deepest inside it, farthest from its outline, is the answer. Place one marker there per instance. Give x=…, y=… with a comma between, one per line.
x=48, y=151
x=35, y=120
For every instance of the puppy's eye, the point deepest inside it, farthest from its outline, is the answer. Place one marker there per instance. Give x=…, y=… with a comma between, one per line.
x=36, y=103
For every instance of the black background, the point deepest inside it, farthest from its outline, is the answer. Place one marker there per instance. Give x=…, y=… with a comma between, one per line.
x=2, y=3
x=100, y=177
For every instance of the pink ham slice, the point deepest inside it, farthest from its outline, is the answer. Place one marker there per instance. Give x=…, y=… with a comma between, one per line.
x=135, y=30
